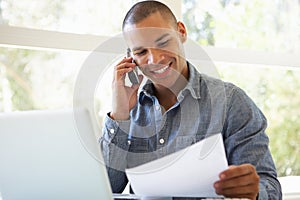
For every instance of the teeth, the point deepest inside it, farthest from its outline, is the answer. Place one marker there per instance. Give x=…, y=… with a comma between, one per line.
x=161, y=70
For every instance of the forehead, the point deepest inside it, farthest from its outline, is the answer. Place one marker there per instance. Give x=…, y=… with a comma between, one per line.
x=148, y=31
x=147, y=36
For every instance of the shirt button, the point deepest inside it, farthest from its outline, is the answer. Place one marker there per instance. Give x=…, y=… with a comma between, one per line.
x=112, y=131
x=161, y=141
x=157, y=107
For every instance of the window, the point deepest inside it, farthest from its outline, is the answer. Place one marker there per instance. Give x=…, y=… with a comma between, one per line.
x=44, y=77
x=260, y=28
x=73, y=16
x=273, y=90
x=36, y=79
x=257, y=25
x=39, y=72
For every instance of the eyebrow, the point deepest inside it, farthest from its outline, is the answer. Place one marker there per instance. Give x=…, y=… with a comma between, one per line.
x=156, y=41
x=162, y=37
x=136, y=48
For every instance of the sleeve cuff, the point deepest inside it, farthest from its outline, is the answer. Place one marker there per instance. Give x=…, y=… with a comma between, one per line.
x=262, y=195
x=113, y=126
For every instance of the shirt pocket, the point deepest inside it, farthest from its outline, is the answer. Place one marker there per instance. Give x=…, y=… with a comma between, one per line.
x=139, y=152
x=182, y=142
x=139, y=145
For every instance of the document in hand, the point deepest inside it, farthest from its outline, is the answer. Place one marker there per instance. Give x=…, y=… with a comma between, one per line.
x=190, y=172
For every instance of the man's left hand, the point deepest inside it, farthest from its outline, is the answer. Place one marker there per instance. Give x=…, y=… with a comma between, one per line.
x=240, y=181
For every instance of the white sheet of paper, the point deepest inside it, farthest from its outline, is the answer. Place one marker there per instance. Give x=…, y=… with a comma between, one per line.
x=189, y=172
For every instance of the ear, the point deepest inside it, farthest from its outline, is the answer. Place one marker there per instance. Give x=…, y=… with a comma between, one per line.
x=181, y=31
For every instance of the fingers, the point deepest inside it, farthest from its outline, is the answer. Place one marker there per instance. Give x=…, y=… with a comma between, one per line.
x=125, y=63
x=238, y=181
x=122, y=68
x=236, y=171
x=120, y=74
x=238, y=192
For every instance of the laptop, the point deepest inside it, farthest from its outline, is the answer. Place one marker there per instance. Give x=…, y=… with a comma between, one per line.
x=51, y=155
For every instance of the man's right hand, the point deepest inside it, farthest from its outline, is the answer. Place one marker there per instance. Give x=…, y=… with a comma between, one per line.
x=124, y=98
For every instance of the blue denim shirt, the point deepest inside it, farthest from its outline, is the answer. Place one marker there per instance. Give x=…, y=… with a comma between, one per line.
x=206, y=106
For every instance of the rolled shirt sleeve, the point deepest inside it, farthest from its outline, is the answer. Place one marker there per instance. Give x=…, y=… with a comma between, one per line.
x=114, y=149
x=246, y=142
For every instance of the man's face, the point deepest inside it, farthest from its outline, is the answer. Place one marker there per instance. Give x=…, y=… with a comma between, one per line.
x=157, y=49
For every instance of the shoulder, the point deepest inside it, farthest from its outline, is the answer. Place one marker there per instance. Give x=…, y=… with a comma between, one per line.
x=232, y=95
x=217, y=86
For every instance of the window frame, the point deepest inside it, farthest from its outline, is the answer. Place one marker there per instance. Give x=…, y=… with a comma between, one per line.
x=18, y=37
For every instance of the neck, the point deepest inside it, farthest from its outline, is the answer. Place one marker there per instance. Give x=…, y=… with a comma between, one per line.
x=167, y=97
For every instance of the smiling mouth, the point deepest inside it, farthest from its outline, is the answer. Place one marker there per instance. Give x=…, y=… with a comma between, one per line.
x=162, y=70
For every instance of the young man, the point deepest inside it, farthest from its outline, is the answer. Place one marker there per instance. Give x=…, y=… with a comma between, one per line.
x=178, y=106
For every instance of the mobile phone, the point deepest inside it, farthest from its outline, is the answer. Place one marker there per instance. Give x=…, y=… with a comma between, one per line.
x=132, y=75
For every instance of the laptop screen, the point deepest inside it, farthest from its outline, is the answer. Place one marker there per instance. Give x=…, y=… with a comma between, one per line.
x=43, y=156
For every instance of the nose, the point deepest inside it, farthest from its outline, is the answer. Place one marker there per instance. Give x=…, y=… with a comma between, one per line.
x=154, y=56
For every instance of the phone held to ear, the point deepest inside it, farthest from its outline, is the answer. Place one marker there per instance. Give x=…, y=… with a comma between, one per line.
x=132, y=75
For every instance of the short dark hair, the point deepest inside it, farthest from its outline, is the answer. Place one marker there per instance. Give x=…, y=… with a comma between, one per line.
x=143, y=9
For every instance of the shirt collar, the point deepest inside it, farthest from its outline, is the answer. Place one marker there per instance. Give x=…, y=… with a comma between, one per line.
x=193, y=85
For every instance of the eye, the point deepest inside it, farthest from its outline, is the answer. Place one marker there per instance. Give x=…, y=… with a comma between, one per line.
x=163, y=43
x=141, y=52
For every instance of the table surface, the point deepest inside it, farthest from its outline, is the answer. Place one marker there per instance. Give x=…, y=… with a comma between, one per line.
x=135, y=197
